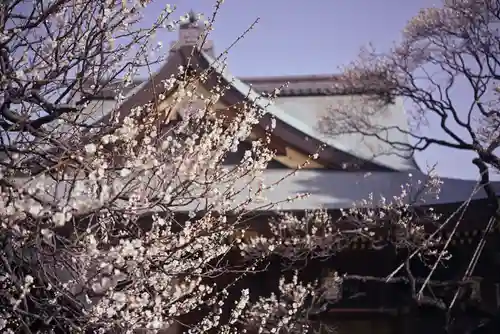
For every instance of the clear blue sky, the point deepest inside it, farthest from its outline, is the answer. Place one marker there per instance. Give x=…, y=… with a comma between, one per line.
x=311, y=37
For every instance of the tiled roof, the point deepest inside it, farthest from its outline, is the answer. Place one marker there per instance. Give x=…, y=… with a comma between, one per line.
x=305, y=85
x=297, y=116
x=302, y=115
x=109, y=92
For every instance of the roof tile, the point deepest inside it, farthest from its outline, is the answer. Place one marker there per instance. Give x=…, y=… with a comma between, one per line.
x=310, y=85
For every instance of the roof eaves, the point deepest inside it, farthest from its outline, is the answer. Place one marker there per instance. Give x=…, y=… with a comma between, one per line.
x=329, y=190
x=304, y=85
x=291, y=78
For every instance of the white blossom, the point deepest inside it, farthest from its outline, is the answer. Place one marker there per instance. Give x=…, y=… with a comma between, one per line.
x=90, y=148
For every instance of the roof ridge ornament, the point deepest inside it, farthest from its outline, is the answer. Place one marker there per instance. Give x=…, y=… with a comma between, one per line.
x=192, y=20
x=191, y=28
x=193, y=17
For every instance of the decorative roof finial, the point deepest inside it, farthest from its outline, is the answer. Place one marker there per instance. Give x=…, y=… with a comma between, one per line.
x=191, y=20
x=191, y=28
x=192, y=17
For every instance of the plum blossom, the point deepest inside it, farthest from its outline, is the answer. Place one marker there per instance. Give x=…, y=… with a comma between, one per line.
x=129, y=219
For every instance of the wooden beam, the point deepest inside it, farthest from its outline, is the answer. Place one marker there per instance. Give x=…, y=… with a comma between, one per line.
x=293, y=159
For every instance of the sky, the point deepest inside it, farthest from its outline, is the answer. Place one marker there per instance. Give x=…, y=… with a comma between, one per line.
x=311, y=37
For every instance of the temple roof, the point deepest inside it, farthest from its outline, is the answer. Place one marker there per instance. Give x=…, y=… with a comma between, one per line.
x=303, y=116
x=300, y=103
x=303, y=85
x=296, y=112
x=293, y=85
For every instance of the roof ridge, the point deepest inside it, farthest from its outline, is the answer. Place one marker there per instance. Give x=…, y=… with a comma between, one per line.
x=256, y=79
x=300, y=77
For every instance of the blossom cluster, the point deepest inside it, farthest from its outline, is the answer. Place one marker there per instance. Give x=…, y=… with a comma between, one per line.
x=126, y=220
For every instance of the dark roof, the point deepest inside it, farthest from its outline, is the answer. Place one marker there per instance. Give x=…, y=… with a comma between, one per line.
x=303, y=85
